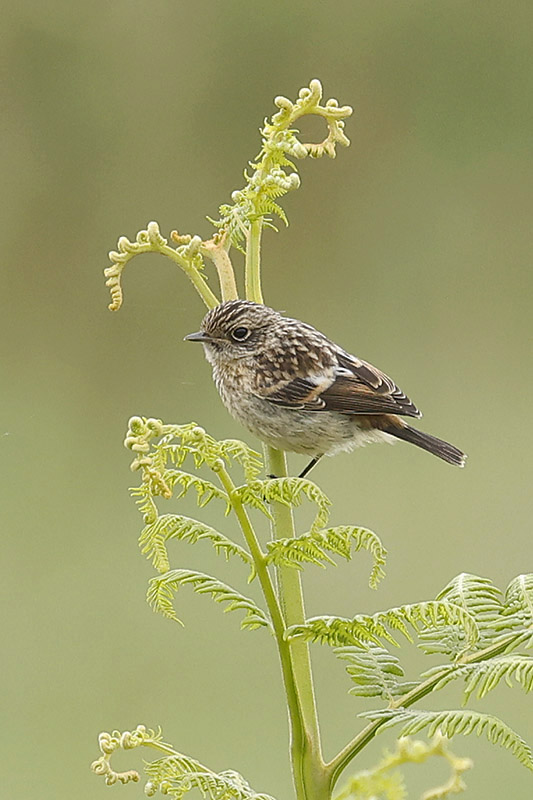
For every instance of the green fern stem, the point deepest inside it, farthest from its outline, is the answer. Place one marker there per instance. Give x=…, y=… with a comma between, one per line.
x=253, y=261
x=284, y=648
x=164, y=748
x=309, y=760
x=336, y=766
x=196, y=278
x=217, y=252
x=310, y=777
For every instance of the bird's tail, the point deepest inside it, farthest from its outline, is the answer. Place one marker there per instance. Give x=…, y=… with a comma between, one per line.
x=438, y=447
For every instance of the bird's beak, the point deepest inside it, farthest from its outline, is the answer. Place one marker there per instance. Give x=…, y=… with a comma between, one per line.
x=200, y=336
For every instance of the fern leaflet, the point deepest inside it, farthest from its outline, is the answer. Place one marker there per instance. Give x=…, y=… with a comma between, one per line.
x=481, y=599
x=177, y=774
x=176, y=442
x=314, y=548
x=205, y=490
x=249, y=460
x=374, y=671
x=385, y=782
x=484, y=676
x=290, y=492
x=362, y=629
x=171, y=526
x=162, y=588
x=145, y=502
x=519, y=600
x=450, y=723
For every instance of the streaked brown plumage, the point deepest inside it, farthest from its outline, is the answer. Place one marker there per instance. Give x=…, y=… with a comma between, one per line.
x=297, y=390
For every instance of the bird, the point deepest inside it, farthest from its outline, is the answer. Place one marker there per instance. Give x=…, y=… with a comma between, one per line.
x=298, y=391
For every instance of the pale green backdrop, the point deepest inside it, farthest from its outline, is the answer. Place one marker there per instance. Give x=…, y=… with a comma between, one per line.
x=413, y=249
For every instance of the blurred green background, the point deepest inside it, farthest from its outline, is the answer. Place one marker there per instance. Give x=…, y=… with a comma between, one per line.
x=412, y=249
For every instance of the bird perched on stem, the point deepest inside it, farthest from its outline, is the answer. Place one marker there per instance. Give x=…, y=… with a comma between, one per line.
x=298, y=391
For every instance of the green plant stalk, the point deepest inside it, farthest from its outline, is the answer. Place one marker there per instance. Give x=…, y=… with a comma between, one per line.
x=165, y=748
x=292, y=603
x=306, y=750
x=336, y=766
x=219, y=255
x=253, y=261
x=284, y=649
x=291, y=599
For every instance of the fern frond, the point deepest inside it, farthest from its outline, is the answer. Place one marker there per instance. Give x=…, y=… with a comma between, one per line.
x=205, y=490
x=251, y=495
x=488, y=674
x=162, y=588
x=232, y=221
x=381, y=782
x=176, y=442
x=314, y=548
x=362, y=629
x=172, y=526
x=374, y=671
x=483, y=676
x=477, y=595
x=480, y=598
x=176, y=775
x=383, y=786
x=288, y=491
x=250, y=461
x=192, y=440
x=169, y=452
x=453, y=722
x=268, y=206
x=145, y=502
x=519, y=600
x=273, y=172
x=188, y=257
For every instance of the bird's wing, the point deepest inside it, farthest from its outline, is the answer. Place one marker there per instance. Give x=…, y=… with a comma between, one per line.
x=357, y=377
x=300, y=393
x=354, y=387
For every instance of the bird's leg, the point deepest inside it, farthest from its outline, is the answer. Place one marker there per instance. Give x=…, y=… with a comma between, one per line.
x=310, y=466
x=307, y=469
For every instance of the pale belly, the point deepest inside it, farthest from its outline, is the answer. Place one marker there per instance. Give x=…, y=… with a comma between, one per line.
x=311, y=433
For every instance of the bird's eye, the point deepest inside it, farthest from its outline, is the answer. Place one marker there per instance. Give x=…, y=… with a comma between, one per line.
x=240, y=334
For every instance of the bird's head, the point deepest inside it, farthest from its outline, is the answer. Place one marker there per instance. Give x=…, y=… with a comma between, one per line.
x=236, y=329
